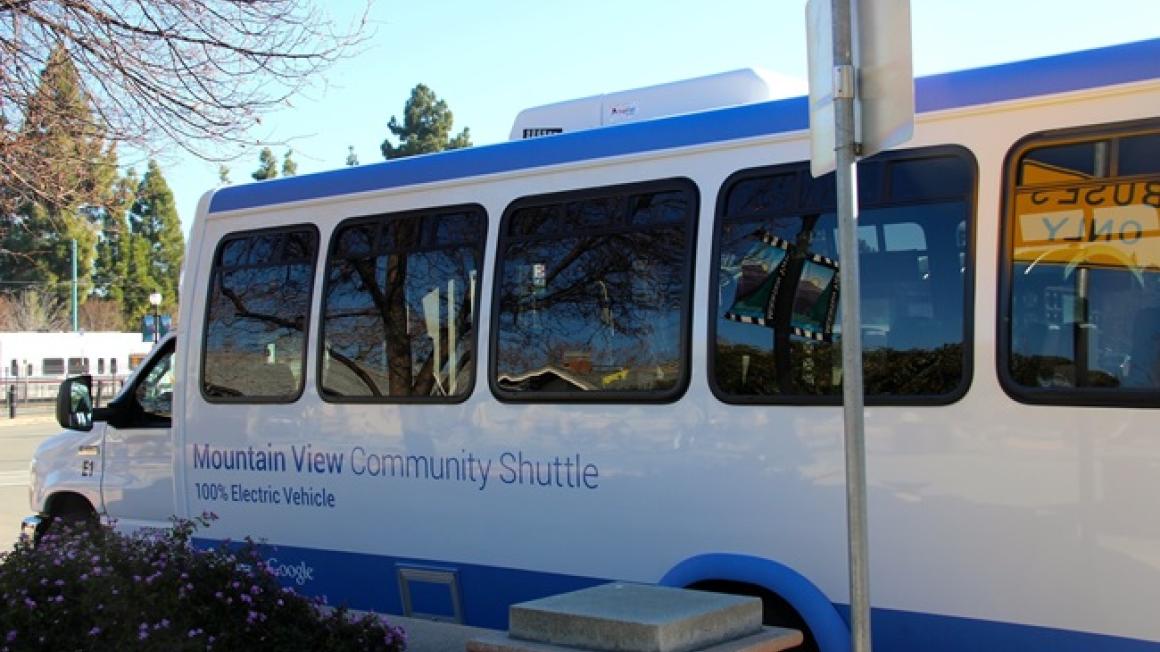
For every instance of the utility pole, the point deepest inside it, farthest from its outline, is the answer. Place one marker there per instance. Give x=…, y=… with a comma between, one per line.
x=75, y=322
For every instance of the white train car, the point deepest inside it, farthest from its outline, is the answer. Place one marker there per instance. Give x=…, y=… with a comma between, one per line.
x=36, y=362
x=445, y=384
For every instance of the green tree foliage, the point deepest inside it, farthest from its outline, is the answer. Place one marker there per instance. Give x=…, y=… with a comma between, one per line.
x=289, y=167
x=109, y=270
x=267, y=166
x=351, y=157
x=138, y=283
x=73, y=159
x=426, y=127
x=156, y=225
x=224, y=175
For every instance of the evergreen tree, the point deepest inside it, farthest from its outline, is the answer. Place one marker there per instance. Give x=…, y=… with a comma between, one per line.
x=289, y=167
x=35, y=238
x=138, y=283
x=154, y=219
x=351, y=157
x=426, y=127
x=112, y=249
x=267, y=165
x=224, y=175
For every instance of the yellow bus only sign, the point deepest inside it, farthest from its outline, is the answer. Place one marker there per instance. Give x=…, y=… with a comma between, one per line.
x=1113, y=225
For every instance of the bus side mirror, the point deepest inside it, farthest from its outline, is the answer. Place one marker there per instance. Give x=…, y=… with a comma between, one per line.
x=74, y=403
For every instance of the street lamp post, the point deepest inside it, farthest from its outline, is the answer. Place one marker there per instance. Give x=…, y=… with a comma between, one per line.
x=155, y=301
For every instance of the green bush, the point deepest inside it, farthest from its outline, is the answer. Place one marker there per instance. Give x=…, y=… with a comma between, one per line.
x=94, y=589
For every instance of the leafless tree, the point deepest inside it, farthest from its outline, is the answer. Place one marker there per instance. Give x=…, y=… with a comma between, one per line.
x=101, y=315
x=195, y=74
x=32, y=311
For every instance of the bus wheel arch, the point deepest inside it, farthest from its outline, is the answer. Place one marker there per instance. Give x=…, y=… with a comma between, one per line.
x=765, y=578
x=69, y=508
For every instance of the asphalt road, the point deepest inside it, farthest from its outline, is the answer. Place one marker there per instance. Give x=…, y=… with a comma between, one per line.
x=18, y=440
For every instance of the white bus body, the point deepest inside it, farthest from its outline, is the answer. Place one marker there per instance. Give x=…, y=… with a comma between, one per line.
x=1012, y=501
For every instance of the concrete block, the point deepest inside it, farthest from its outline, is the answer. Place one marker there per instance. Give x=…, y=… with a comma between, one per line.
x=624, y=617
x=769, y=639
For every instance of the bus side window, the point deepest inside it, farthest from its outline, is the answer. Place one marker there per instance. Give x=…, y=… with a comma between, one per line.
x=593, y=294
x=1082, y=274
x=777, y=326
x=258, y=309
x=399, y=306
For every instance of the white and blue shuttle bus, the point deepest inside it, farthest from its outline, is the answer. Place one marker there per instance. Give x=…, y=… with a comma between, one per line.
x=441, y=385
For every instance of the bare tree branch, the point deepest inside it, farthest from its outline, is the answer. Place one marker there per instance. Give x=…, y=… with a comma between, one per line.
x=196, y=74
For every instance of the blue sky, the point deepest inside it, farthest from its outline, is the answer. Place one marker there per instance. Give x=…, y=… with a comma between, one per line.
x=489, y=59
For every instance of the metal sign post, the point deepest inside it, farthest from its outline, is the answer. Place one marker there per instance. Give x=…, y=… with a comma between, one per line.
x=868, y=49
x=852, y=398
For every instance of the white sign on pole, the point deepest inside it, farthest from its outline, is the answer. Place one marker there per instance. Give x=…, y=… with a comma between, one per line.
x=884, y=100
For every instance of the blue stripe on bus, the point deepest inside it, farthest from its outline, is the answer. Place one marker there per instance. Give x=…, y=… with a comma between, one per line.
x=371, y=582
x=1061, y=73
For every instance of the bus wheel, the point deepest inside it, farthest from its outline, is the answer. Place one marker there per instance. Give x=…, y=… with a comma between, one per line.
x=775, y=611
x=67, y=513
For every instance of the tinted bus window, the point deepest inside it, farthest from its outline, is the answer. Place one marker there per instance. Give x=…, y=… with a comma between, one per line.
x=592, y=294
x=775, y=291
x=400, y=305
x=258, y=311
x=1082, y=277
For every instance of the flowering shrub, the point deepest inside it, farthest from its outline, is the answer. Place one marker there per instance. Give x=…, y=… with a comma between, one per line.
x=95, y=589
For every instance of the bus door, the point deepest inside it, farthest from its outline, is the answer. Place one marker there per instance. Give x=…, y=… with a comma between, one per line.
x=137, y=478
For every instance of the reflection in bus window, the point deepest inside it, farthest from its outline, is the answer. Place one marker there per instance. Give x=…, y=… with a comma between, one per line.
x=399, y=306
x=593, y=293
x=776, y=290
x=1084, y=246
x=155, y=393
x=258, y=309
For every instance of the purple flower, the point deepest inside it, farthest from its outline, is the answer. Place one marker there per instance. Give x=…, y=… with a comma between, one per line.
x=94, y=631
x=11, y=635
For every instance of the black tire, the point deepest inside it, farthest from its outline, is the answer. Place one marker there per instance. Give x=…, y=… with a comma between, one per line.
x=775, y=611
x=67, y=514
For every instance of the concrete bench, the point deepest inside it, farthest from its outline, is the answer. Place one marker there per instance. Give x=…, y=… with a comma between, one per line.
x=624, y=617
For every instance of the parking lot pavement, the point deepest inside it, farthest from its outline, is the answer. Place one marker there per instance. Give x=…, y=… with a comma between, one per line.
x=429, y=636
x=19, y=438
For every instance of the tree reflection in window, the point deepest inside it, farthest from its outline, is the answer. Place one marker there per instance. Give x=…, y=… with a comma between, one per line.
x=399, y=306
x=257, y=317
x=593, y=293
